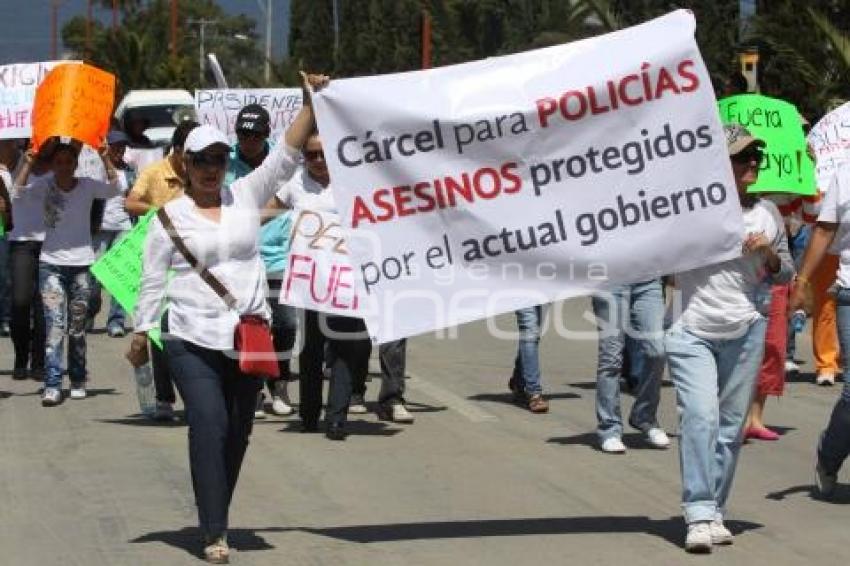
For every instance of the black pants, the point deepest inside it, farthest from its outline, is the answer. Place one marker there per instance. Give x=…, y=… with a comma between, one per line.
x=350, y=349
x=220, y=404
x=284, y=326
x=162, y=379
x=393, y=357
x=27, y=322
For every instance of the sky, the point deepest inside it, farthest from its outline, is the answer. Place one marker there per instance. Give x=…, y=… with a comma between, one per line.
x=25, y=25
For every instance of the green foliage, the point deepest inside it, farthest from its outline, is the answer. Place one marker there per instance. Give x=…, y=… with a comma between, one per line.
x=138, y=51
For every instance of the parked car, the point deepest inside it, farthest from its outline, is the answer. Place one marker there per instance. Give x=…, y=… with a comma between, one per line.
x=162, y=110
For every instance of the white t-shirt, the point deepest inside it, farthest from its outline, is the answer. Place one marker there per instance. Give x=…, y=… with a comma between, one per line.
x=28, y=210
x=67, y=219
x=835, y=208
x=303, y=192
x=722, y=300
x=228, y=248
x=115, y=218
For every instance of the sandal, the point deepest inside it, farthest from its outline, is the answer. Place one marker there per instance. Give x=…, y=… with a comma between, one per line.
x=217, y=552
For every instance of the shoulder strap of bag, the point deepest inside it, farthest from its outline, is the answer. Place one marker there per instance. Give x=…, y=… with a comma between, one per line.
x=201, y=270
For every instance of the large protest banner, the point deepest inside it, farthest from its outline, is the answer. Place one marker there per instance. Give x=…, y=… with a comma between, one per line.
x=18, y=84
x=481, y=188
x=786, y=166
x=219, y=107
x=74, y=100
x=830, y=141
x=319, y=276
x=119, y=270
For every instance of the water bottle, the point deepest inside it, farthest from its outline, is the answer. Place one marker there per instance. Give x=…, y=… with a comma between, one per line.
x=145, y=389
x=798, y=321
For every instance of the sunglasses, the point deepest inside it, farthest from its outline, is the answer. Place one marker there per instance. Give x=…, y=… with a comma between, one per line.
x=313, y=155
x=208, y=159
x=250, y=134
x=748, y=156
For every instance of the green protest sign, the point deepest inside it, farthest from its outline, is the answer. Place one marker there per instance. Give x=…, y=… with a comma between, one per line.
x=786, y=167
x=2, y=228
x=119, y=270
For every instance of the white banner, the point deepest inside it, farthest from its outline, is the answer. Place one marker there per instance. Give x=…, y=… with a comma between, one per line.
x=830, y=141
x=18, y=83
x=319, y=275
x=481, y=188
x=219, y=107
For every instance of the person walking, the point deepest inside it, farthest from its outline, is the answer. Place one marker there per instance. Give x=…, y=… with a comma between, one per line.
x=715, y=346
x=218, y=225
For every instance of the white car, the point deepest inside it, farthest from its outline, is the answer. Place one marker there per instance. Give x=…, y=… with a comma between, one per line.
x=162, y=109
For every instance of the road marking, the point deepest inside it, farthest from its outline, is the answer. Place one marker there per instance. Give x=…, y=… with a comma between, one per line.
x=467, y=409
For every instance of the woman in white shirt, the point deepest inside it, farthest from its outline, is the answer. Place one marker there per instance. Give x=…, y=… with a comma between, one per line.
x=219, y=225
x=714, y=350
x=63, y=275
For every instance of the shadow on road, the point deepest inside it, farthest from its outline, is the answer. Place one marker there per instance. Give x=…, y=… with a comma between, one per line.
x=840, y=497
x=589, y=385
x=189, y=539
x=352, y=427
x=671, y=530
x=630, y=439
x=508, y=398
x=141, y=420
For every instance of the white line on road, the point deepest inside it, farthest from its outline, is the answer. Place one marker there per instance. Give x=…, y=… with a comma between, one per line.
x=451, y=400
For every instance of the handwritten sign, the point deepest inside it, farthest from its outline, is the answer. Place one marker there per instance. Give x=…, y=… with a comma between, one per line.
x=319, y=275
x=219, y=107
x=74, y=100
x=18, y=84
x=119, y=270
x=830, y=141
x=786, y=167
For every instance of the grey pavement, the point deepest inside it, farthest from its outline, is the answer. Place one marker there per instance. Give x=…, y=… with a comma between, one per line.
x=475, y=481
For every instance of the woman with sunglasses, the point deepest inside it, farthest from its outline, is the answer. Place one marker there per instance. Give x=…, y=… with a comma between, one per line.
x=714, y=350
x=219, y=224
x=348, y=343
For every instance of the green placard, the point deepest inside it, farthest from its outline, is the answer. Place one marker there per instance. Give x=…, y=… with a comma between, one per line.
x=786, y=168
x=2, y=227
x=119, y=270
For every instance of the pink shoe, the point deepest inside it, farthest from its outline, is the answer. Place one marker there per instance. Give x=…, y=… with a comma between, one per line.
x=759, y=433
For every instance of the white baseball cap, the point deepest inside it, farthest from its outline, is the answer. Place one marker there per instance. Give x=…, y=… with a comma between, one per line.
x=202, y=137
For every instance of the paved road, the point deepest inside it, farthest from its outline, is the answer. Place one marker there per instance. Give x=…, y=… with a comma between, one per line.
x=475, y=481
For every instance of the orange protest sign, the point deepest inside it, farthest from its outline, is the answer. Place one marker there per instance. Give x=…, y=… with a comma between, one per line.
x=74, y=100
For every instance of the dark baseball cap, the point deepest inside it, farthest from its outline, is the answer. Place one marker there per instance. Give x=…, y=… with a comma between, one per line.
x=253, y=118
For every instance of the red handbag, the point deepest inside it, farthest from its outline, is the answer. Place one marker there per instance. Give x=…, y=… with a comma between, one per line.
x=252, y=337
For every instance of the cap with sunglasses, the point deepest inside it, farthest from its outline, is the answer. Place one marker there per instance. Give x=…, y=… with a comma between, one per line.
x=739, y=138
x=202, y=137
x=253, y=118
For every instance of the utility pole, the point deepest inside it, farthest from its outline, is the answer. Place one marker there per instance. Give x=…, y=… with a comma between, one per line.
x=114, y=15
x=54, y=31
x=267, y=10
x=336, y=31
x=202, y=33
x=426, y=39
x=173, y=29
x=88, y=30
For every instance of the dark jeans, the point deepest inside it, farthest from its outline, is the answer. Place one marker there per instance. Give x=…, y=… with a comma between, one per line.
x=393, y=356
x=220, y=404
x=349, y=347
x=284, y=327
x=835, y=441
x=28, y=331
x=5, y=282
x=162, y=378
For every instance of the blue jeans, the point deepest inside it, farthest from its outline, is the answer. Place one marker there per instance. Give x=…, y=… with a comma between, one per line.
x=835, y=441
x=715, y=381
x=636, y=309
x=527, y=363
x=65, y=293
x=101, y=242
x=220, y=402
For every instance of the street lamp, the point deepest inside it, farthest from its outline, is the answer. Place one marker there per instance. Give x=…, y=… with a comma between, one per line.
x=267, y=10
x=202, y=29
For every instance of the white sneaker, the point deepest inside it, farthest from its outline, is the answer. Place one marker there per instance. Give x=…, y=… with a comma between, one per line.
x=791, y=367
x=260, y=411
x=719, y=533
x=400, y=414
x=78, y=391
x=280, y=407
x=657, y=438
x=613, y=445
x=51, y=397
x=825, y=378
x=357, y=406
x=164, y=411
x=699, y=537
